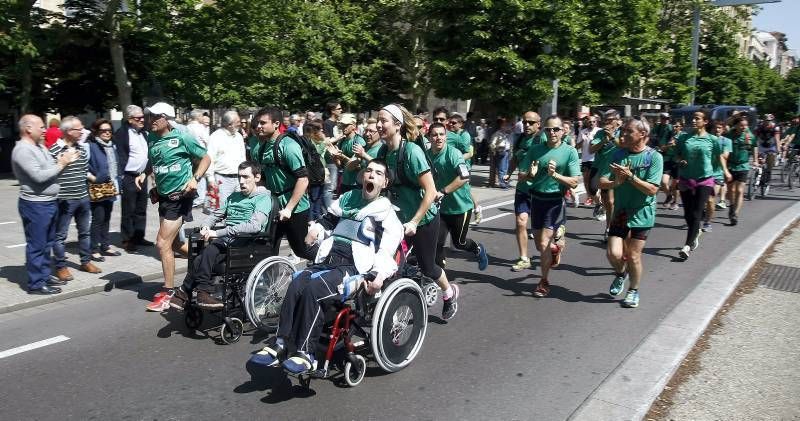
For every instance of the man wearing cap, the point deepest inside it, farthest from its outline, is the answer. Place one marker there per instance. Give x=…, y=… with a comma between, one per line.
x=171, y=152
x=552, y=168
x=345, y=157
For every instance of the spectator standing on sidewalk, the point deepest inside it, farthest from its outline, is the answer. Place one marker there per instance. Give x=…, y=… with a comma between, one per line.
x=200, y=131
x=73, y=200
x=500, y=147
x=226, y=150
x=171, y=152
x=634, y=173
x=37, y=174
x=131, y=143
x=104, y=171
x=587, y=157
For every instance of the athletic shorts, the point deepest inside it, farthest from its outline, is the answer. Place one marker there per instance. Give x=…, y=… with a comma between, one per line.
x=619, y=228
x=547, y=213
x=740, y=176
x=719, y=181
x=671, y=168
x=172, y=210
x=522, y=203
x=586, y=166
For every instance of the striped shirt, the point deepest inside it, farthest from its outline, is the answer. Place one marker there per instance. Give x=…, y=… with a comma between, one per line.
x=73, y=178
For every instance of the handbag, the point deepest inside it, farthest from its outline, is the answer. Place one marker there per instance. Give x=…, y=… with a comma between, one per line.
x=101, y=191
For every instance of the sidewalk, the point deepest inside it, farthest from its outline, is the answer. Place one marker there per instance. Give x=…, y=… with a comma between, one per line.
x=747, y=364
x=130, y=268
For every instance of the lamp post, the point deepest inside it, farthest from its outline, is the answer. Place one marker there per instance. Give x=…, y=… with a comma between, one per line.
x=696, y=34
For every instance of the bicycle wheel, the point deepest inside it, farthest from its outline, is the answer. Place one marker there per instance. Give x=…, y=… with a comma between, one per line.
x=266, y=287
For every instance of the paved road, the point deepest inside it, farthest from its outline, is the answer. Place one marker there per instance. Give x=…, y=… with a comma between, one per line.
x=506, y=355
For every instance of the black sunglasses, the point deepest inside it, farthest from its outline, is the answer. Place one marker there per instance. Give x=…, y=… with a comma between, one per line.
x=553, y=129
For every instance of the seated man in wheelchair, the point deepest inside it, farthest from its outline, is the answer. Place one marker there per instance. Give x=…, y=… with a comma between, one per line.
x=245, y=212
x=358, y=235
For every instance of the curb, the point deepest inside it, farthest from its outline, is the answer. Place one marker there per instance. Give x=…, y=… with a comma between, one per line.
x=630, y=390
x=91, y=289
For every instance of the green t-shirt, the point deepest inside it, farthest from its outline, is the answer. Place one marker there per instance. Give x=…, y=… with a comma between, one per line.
x=567, y=164
x=276, y=179
x=639, y=208
x=725, y=144
x=461, y=141
x=408, y=198
x=171, y=157
x=349, y=176
x=669, y=154
x=321, y=150
x=742, y=145
x=521, y=148
x=351, y=202
x=699, y=152
x=602, y=158
x=449, y=164
x=239, y=208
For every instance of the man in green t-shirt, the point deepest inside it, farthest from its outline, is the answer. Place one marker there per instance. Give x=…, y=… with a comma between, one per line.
x=553, y=168
x=743, y=141
x=661, y=132
x=286, y=176
x=603, y=145
x=634, y=174
x=719, y=174
x=244, y=212
x=346, y=158
x=170, y=153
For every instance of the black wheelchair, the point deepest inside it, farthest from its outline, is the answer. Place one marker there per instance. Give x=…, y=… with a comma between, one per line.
x=389, y=327
x=244, y=296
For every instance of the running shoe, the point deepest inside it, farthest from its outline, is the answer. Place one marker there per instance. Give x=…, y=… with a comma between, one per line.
x=722, y=205
x=522, y=264
x=631, y=299
x=555, y=251
x=598, y=212
x=674, y=206
x=617, y=285
x=684, y=253
x=270, y=355
x=478, y=217
x=180, y=300
x=483, y=257
x=450, y=306
x=589, y=202
x=542, y=289
x=160, y=301
x=560, y=232
x=531, y=236
x=706, y=227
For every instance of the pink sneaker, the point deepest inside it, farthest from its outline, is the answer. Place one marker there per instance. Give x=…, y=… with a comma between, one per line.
x=160, y=302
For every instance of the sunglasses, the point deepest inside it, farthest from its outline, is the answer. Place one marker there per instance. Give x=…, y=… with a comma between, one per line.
x=530, y=122
x=140, y=118
x=453, y=122
x=552, y=129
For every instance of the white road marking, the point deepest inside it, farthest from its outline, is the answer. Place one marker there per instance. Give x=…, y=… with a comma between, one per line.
x=32, y=346
x=491, y=218
x=15, y=245
x=8, y=222
x=507, y=202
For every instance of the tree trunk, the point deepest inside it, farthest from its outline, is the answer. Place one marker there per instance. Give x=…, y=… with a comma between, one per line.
x=117, y=55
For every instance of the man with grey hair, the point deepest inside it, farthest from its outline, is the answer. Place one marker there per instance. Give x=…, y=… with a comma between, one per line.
x=132, y=159
x=37, y=174
x=73, y=199
x=226, y=150
x=200, y=132
x=296, y=124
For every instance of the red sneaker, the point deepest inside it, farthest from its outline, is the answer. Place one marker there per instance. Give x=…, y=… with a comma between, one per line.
x=589, y=201
x=555, y=250
x=543, y=289
x=160, y=302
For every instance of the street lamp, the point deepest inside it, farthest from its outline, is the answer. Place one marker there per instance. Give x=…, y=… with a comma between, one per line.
x=696, y=33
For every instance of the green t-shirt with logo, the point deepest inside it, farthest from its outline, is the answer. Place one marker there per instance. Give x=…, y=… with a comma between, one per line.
x=171, y=158
x=639, y=209
x=521, y=148
x=349, y=176
x=461, y=141
x=276, y=179
x=742, y=145
x=725, y=144
x=408, y=198
x=567, y=164
x=602, y=158
x=239, y=208
x=699, y=152
x=449, y=164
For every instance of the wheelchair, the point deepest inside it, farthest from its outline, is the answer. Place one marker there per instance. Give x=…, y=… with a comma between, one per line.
x=390, y=327
x=244, y=296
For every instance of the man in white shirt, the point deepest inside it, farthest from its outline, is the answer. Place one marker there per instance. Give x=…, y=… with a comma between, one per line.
x=200, y=133
x=226, y=149
x=132, y=159
x=590, y=128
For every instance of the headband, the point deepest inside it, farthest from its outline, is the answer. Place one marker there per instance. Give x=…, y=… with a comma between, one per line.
x=394, y=110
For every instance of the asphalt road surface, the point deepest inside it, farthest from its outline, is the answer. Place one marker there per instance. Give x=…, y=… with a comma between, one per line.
x=505, y=355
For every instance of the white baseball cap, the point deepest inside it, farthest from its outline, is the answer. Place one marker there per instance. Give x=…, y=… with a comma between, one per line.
x=161, y=108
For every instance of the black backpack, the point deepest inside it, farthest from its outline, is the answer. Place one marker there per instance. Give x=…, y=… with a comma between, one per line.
x=401, y=177
x=316, y=171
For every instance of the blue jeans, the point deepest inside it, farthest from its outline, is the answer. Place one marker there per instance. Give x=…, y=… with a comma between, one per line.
x=316, y=199
x=501, y=163
x=39, y=223
x=81, y=210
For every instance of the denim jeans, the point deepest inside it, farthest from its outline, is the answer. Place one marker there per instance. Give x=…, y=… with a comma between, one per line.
x=80, y=209
x=202, y=191
x=39, y=223
x=316, y=199
x=101, y=221
x=501, y=163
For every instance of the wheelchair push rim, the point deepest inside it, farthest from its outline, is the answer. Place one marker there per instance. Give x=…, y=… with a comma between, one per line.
x=265, y=290
x=399, y=325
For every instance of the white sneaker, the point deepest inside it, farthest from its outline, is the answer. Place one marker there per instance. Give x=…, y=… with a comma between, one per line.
x=684, y=253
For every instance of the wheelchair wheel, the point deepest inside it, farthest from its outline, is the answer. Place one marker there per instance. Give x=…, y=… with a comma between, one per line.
x=399, y=325
x=231, y=330
x=193, y=317
x=354, y=370
x=431, y=291
x=265, y=289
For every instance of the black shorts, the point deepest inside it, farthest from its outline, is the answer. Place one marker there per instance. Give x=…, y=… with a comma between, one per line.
x=547, y=213
x=586, y=166
x=740, y=176
x=172, y=210
x=522, y=203
x=619, y=228
x=671, y=168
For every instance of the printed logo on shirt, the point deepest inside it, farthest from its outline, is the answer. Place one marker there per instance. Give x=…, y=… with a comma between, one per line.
x=173, y=143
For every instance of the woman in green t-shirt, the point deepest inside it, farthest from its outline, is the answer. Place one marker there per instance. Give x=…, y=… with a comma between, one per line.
x=413, y=191
x=453, y=195
x=742, y=144
x=696, y=154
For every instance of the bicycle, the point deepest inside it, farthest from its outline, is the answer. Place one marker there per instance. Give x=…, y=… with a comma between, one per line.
x=755, y=180
x=792, y=169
